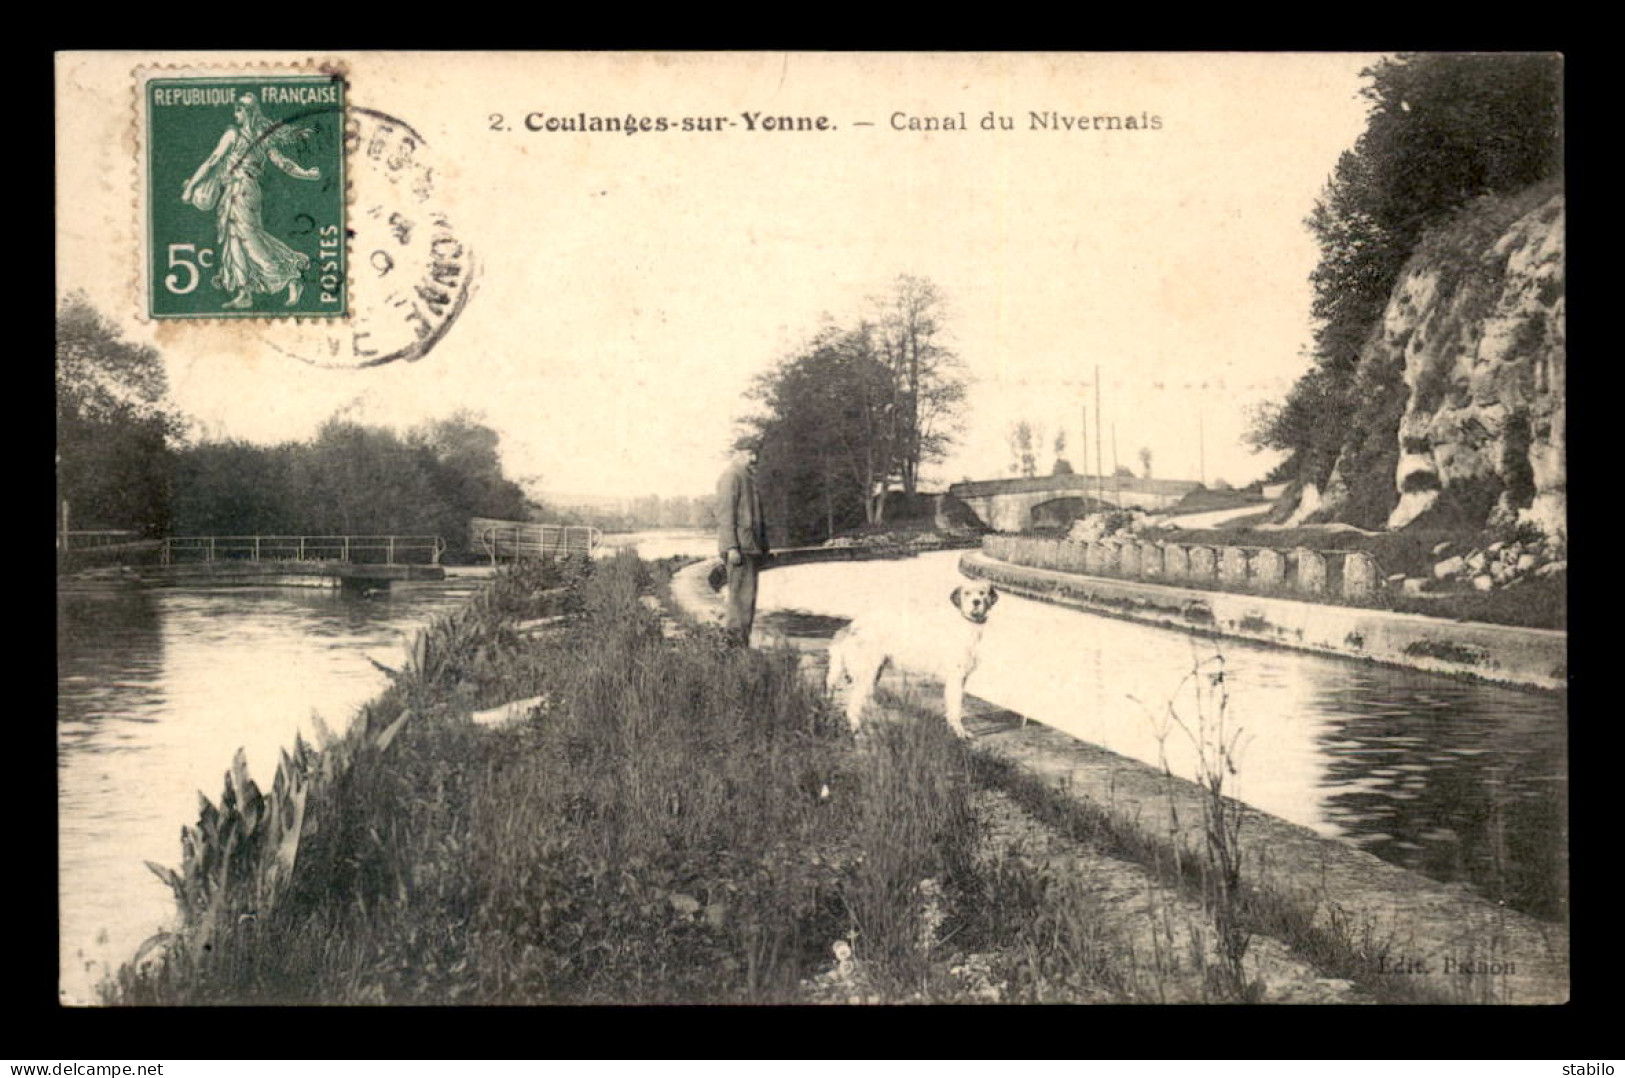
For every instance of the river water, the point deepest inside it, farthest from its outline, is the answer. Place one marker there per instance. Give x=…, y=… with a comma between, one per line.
x=1460, y=781
x=158, y=689
x=654, y=545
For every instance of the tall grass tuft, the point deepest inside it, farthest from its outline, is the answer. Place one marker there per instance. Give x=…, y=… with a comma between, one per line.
x=1215, y=740
x=917, y=838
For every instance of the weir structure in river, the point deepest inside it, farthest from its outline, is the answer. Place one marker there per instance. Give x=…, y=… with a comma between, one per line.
x=361, y=561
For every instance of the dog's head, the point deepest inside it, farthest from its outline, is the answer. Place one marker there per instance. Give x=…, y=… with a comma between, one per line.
x=974, y=600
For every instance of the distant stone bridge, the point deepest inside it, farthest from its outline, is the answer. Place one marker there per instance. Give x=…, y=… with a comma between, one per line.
x=1011, y=505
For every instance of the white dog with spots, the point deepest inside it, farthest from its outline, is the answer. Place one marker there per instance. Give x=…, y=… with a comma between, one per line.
x=942, y=642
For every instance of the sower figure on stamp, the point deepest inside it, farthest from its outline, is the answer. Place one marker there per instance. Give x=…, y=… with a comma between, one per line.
x=741, y=540
x=228, y=182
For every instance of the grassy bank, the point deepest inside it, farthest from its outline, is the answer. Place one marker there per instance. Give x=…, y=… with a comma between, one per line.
x=675, y=821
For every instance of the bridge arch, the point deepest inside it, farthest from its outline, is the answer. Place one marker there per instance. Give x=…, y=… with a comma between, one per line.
x=1007, y=505
x=1059, y=513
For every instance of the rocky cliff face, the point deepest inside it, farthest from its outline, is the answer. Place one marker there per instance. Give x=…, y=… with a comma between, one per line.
x=1475, y=329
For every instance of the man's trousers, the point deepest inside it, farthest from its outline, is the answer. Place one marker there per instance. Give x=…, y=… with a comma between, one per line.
x=742, y=597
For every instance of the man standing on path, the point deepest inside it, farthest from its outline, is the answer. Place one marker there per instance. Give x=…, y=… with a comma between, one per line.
x=741, y=540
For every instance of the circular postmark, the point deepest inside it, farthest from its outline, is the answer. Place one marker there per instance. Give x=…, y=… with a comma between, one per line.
x=408, y=273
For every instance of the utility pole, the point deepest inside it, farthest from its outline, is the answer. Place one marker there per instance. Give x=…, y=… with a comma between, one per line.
x=1117, y=481
x=1100, y=458
x=1201, y=448
x=1083, y=445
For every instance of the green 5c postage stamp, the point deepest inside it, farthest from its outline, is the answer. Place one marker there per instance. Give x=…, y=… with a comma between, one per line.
x=245, y=196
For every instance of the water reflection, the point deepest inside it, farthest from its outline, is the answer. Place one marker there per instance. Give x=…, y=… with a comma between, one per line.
x=1459, y=783
x=668, y=543
x=156, y=691
x=1457, y=780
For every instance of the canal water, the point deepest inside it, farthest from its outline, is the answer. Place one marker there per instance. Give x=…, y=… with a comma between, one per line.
x=1459, y=781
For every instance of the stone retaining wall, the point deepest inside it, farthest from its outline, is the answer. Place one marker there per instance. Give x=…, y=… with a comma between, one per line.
x=1533, y=658
x=1352, y=575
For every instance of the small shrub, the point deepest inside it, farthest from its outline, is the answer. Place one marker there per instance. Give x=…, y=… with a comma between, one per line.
x=1049, y=934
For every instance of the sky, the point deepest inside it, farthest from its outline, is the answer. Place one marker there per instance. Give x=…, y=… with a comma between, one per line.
x=629, y=288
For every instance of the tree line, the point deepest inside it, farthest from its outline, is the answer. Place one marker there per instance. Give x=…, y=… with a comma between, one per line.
x=648, y=511
x=1444, y=131
x=846, y=422
x=350, y=479
x=124, y=462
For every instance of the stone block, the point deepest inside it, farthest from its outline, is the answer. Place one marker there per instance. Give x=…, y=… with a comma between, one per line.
x=1150, y=561
x=1450, y=567
x=1128, y=560
x=1361, y=576
x=1310, y=575
x=1267, y=568
x=1112, y=557
x=1102, y=558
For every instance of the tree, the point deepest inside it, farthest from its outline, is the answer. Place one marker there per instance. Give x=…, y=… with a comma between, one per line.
x=350, y=479
x=468, y=465
x=114, y=425
x=927, y=384
x=856, y=410
x=826, y=433
x=360, y=480
x=234, y=488
x=1145, y=460
x=1024, y=438
x=1062, y=466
